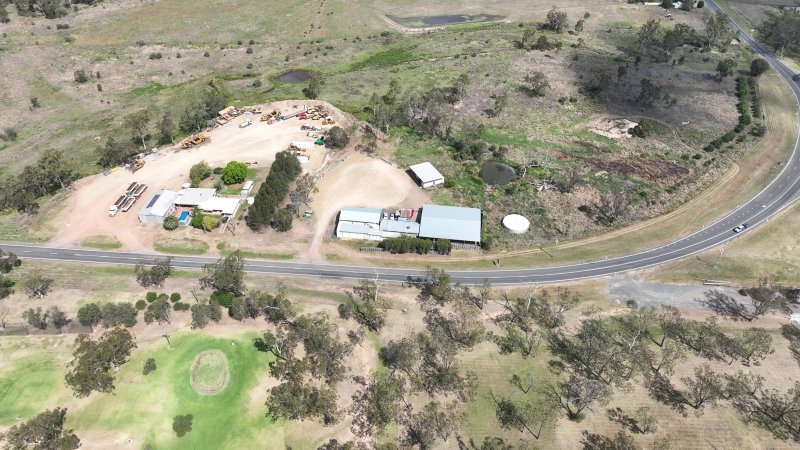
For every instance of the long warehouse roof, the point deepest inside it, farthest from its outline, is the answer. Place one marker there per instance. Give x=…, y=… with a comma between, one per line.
x=450, y=222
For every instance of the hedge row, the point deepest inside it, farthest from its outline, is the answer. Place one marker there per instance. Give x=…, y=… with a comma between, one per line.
x=745, y=87
x=406, y=244
x=273, y=191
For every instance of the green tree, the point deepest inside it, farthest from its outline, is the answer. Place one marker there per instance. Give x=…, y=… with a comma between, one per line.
x=225, y=275
x=156, y=274
x=138, y=122
x=94, y=363
x=35, y=318
x=556, y=20
x=579, y=26
x=717, y=30
x=182, y=424
x=115, y=153
x=726, y=67
x=781, y=31
x=315, y=84
x=521, y=417
x=295, y=400
x=89, y=315
x=576, y=394
x=234, y=173
x=166, y=126
x=37, y=285
x=170, y=223
x=57, y=318
x=376, y=406
x=115, y=314
x=535, y=84
x=363, y=305
x=282, y=221
x=758, y=66
x=149, y=366
x=198, y=173
x=204, y=312
x=337, y=138
x=44, y=431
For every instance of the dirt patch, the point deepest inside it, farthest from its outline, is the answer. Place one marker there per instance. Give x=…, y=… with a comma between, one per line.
x=209, y=374
x=647, y=169
x=612, y=128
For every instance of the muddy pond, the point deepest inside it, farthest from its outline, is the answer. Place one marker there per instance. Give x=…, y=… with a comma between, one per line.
x=450, y=19
x=294, y=76
x=497, y=172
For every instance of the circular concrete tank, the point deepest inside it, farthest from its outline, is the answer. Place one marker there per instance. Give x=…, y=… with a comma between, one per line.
x=516, y=224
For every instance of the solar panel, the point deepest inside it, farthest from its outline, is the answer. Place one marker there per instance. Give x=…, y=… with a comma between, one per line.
x=153, y=201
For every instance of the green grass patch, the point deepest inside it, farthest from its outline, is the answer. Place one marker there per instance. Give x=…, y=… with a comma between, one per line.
x=382, y=59
x=224, y=250
x=101, y=242
x=182, y=247
x=143, y=406
x=28, y=385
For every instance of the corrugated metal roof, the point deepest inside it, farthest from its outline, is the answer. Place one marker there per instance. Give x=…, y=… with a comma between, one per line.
x=361, y=228
x=365, y=215
x=426, y=172
x=400, y=226
x=450, y=222
x=159, y=204
x=224, y=205
x=195, y=196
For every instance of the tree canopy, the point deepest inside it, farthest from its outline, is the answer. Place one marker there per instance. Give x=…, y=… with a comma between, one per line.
x=95, y=362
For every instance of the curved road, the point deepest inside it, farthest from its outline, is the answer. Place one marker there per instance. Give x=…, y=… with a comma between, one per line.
x=779, y=194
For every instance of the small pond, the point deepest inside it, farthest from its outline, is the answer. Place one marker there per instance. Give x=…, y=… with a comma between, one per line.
x=295, y=76
x=496, y=172
x=450, y=19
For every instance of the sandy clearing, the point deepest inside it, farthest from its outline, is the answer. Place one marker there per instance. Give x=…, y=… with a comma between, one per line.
x=360, y=181
x=86, y=208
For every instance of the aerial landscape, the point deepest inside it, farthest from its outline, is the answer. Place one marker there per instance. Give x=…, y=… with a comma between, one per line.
x=399, y=224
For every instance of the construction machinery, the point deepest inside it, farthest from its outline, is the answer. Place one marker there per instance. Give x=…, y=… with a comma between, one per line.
x=128, y=204
x=328, y=120
x=194, y=140
x=246, y=123
x=138, y=164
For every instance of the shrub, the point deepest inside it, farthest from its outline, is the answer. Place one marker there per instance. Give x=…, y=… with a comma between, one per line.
x=162, y=297
x=175, y=297
x=198, y=173
x=225, y=299
x=758, y=66
x=251, y=42
x=156, y=55
x=444, y=246
x=257, y=83
x=406, y=244
x=171, y=223
x=181, y=306
x=273, y=190
x=337, y=138
x=249, y=50
x=62, y=26
x=210, y=222
x=149, y=366
x=218, y=170
x=140, y=43
x=80, y=76
x=282, y=220
x=235, y=172
x=141, y=305
x=205, y=54
x=9, y=134
x=151, y=297
x=99, y=87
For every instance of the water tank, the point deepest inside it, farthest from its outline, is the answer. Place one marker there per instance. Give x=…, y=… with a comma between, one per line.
x=516, y=224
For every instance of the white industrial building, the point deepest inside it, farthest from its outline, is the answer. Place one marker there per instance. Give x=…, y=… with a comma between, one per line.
x=450, y=222
x=359, y=223
x=191, y=197
x=426, y=175
x=158, y=207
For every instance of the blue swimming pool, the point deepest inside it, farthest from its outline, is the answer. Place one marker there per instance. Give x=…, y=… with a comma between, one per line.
x=184, y=216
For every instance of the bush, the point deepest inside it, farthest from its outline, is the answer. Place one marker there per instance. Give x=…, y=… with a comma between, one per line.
x=80, y=76
x=151, y=297
x=198, y=173
x=257, y=83
x=175, y=297
x=225, y=299
x=249, y=50
x=9, y=134
x=149, y=366
x=141, y=305
x=282, y=220
x=171, y=223
x=234, y=173
x=62, y=26
x=210, y=222
x=406, y=244
x=181, y=306
x=218, y=170
x=156, y=55
x=643, y=129
x=758, y=66
x=444, y=246
x=337, y=138
x=272, y=191
x=205, y=54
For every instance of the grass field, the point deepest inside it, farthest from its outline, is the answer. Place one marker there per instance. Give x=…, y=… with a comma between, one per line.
x=102, y=242
x=182, y=246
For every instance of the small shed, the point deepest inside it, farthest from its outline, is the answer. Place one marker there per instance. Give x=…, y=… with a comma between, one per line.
x=158, y=207
x=246, y=188
x=426, y=175
x=225, y=206
x=359, y=223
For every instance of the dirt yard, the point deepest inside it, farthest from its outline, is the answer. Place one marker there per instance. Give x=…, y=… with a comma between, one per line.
x=346, y=179
x=86, y=212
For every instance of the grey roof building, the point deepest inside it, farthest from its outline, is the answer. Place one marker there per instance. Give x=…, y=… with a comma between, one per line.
x=450, y=222
x=359, y=223
x=426, y=174
x=158, y=207
x=194, y=196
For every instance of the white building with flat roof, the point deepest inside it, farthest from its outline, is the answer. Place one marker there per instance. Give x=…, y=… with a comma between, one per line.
x=426, y=175
x=359, y=223
x=191, y=197
x=158, y=207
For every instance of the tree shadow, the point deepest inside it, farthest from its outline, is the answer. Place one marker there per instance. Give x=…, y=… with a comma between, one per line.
x=725, y=305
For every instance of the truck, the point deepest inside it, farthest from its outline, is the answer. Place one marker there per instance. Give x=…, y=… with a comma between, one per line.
x=114, y=209
x=246, y=123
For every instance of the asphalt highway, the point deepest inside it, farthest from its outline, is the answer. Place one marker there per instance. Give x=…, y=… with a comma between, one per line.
x=778, y=195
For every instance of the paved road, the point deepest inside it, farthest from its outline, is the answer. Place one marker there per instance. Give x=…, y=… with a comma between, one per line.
x=781, y=193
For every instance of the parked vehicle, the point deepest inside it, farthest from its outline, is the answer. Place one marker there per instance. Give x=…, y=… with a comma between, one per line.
x=246, y=123
x=740, y=228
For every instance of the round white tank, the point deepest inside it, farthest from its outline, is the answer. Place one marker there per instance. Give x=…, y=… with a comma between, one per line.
x=516, y=224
